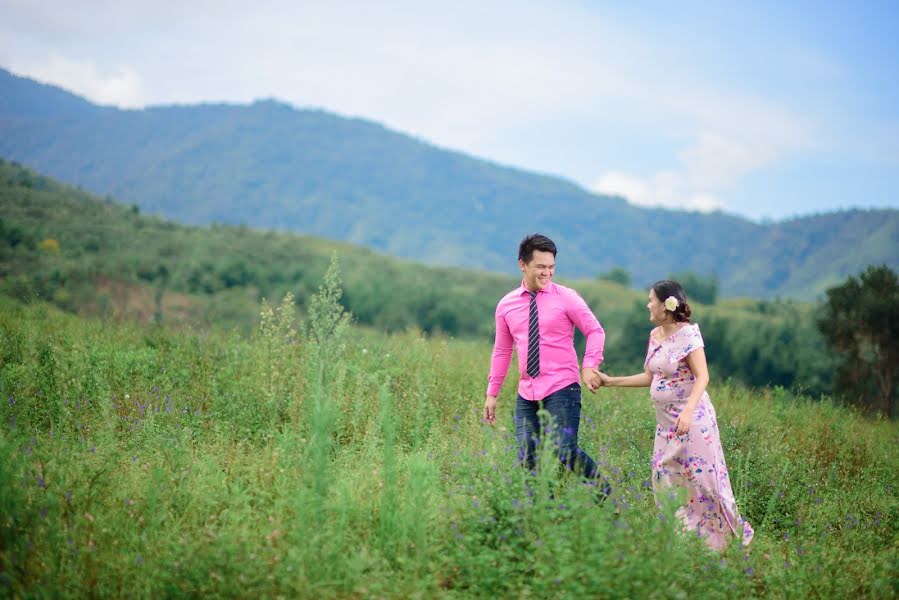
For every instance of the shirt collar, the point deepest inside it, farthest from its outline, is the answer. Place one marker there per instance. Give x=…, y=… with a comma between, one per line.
x=551, y=286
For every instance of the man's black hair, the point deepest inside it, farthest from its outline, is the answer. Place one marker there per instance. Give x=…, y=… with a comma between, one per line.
x=533, y=242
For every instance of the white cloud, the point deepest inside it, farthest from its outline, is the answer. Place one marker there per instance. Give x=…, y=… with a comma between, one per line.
x=627, y=186
x=667, y=188
x=729, y=138
x=119, y=85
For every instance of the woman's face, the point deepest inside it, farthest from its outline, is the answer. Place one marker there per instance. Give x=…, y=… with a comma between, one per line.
x=657, y=313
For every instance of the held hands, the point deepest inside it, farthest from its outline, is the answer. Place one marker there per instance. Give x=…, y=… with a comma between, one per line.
x=595, y=379
x=591, y=378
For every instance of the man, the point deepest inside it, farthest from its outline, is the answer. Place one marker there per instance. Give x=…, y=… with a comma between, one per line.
x=538, y=319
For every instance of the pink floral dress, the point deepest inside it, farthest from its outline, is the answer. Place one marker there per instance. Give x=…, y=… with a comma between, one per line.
x=694, y=460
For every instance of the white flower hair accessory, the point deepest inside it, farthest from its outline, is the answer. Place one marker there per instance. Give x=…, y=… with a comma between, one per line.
x=671, y=303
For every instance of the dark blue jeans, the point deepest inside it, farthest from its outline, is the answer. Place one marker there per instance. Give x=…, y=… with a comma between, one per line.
x=564, y=406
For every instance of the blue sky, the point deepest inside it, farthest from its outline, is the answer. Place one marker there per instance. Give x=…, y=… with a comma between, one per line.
x=763, y=109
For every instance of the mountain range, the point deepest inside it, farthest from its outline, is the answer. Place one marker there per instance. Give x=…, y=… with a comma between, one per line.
x=272, y=166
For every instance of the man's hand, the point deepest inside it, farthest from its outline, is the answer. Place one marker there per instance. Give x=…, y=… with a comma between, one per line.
x=490, y=409
x=591, y=379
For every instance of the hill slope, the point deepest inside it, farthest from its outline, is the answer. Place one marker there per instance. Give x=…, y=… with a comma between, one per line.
x=98, y=257
x=272, y=166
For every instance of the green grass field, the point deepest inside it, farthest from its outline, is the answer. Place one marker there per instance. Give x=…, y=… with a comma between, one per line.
x=317, y=460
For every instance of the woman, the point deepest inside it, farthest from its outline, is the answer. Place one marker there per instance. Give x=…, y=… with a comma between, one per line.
x=687, y=451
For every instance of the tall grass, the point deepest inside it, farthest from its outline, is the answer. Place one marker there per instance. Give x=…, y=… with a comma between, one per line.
x=315, y=460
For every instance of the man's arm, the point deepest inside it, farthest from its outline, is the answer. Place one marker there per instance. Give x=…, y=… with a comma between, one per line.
x=584, y=319
x=499, y=365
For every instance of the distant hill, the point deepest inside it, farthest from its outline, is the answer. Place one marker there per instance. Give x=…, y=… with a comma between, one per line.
x=96, y=256
x=270, y=165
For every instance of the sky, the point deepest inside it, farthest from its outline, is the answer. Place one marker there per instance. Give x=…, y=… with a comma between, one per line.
x=763, y=109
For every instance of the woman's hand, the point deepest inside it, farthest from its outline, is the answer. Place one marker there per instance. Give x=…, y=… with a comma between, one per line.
x=605, y=379
x=684, y=420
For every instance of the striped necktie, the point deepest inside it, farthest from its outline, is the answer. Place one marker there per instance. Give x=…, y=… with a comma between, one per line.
x=533, y=338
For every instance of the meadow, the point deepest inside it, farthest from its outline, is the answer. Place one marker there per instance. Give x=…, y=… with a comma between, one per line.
x=314, y=458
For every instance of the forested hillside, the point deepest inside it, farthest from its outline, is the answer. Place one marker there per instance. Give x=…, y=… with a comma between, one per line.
x=272, y=166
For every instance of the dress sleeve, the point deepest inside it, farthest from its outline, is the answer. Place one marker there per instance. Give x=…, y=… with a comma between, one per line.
x=687, y=340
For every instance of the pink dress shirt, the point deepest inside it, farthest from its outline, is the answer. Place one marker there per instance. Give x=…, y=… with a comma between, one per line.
x=559, y=310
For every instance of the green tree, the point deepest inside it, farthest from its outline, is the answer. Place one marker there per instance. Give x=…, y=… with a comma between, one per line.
x=701, y=288
x=860, y=322
x=618, y=275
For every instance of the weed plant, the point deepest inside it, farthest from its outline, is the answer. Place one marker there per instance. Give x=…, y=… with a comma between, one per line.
x=318, y=460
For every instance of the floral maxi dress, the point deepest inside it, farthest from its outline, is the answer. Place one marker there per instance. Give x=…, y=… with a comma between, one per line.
x=694, y=460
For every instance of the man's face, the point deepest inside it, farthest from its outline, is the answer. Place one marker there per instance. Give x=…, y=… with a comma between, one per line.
x=539, y=272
